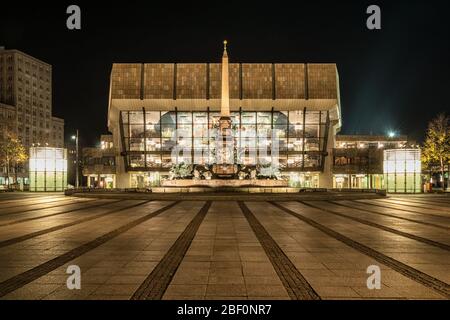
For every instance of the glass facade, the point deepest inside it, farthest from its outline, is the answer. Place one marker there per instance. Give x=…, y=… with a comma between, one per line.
x=48, y=169
x=358, y=181
x=402, y=171
x=149, y=137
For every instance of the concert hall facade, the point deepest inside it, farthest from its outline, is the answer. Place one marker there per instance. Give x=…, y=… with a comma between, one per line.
x=293, y=106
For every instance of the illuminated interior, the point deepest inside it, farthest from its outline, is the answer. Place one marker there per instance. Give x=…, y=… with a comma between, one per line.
x=149, y=136
x=402, y=170
x=48, y=169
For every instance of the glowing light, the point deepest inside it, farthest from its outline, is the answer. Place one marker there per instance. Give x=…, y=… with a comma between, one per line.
x=391, y=134
x=402, y=169
x=48, y=169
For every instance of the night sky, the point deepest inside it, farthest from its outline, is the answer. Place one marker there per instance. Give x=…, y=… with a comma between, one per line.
x=396, y=78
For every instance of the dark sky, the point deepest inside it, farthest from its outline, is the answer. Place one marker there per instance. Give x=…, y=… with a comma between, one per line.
x=396, y=78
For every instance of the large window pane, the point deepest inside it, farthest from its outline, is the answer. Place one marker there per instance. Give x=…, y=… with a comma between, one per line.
x=311, y=131
x=152, y=117
x=136, y=144
x=153, y=144
x=184, y=130
x=167, y=144
x=312, y=117
x=184, y=118
x=200, y=118
x=137, y=161
x=136, y=130
x=235, y=119
x=136, y=117
x=168, y=130
x=264, y=130
x=280, y=118
x=248, y=117
x=168, y=118
x=214, y=119
x=200, y=130
x=264, y=118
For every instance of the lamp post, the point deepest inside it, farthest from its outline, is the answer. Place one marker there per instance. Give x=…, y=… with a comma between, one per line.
x=75, y=137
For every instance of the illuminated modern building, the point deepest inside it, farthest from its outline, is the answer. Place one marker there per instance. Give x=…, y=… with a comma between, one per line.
x=295, y=104
x=358, y=160
x=48, y=169
x=402, y=170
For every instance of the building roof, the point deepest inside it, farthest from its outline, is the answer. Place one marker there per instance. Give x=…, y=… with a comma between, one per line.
x=374, y=138
x=197, y=86
x=15, y=51
x=58, y=119
x=203, y=81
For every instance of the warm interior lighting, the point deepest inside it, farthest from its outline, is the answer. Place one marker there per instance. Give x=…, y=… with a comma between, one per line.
x=48, y=169
x=402, y=169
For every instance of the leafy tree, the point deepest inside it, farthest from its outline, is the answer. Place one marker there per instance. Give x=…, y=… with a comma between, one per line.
x=436, y=149
x=12, y=154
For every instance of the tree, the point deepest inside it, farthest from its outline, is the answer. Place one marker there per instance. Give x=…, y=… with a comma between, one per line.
x=12, y=154
x=436, y=149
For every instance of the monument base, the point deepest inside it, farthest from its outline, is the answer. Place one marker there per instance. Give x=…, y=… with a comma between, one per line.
x=218, y=183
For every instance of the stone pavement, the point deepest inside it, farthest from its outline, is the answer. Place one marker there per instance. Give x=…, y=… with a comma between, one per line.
x=206, y=249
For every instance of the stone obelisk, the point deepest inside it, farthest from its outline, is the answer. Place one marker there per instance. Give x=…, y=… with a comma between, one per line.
x=225, y=167
x=225, y=120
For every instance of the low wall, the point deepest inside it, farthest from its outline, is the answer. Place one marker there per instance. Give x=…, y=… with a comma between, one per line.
x=218, y=183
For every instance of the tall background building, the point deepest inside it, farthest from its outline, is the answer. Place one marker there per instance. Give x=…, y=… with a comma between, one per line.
x=26, y=103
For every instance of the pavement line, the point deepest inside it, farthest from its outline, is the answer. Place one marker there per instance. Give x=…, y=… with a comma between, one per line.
x=63, y=226
x=405, y=210
x=296, y=285
x=57, y=213
x=28, y=276
x=440, y=245
x=391, y=215
x=158, y=280
x=430, y=201
x=15, y=200
x=4, y=214
x=410, y=272
x=414, y=205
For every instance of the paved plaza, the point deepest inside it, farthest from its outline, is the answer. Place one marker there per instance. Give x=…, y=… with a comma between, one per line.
x=210, y=249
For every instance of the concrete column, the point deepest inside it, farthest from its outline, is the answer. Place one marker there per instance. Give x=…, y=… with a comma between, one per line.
x=326, y=178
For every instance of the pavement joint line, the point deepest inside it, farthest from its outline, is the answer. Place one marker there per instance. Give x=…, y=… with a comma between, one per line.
x=416, y=275
x=390, y=215
x=6, y=201
x=4, y=214
x=28, y=236
x=59, y=199
x=28, y=276
x=402, y=203
x=433, y=243
x=421, y=201
x=157, y=282
x=405, y=210
x=294, y=282
x=57, y=213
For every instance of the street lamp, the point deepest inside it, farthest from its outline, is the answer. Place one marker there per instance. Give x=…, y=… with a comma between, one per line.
x=75, y=137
